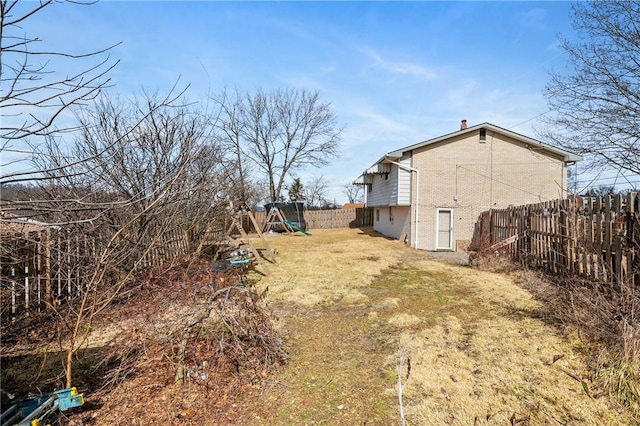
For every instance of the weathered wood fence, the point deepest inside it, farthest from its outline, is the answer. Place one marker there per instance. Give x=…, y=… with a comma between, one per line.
x=595, y=237
x=328, y=219
x=48, y=266
x=44, y=268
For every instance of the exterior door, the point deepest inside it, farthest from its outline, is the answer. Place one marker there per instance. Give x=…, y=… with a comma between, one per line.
x=444, y=231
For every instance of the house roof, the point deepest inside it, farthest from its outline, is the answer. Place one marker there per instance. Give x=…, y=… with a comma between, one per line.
x=397, y=154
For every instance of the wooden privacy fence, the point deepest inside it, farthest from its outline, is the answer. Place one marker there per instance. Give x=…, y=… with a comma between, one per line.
x=47, y=266
x=40, y=268
x=596, y=237
x=337, y=218
x=44, y=268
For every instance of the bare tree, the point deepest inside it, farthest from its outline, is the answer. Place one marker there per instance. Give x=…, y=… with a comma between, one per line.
x=600, y=191
x=316, y=192
x=134, y=152
x=230, y=130
x=241, y=185
x=137, y=176
x=597, y=102
x=280, y=132
x=354, y=193
x=104, y=283
x=33, y=94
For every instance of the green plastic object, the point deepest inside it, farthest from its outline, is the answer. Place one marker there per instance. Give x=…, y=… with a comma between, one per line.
x=296, y=227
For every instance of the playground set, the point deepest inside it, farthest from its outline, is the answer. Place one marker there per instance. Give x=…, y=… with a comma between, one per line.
x=237, y=249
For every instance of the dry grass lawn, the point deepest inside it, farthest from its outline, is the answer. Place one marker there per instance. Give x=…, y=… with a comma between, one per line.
x=348, y=303
x=480, y=350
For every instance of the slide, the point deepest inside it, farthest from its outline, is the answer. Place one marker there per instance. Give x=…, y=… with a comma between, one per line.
x=296, y=227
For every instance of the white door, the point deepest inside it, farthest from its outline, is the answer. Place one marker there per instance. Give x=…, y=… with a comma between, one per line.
x=444, y=229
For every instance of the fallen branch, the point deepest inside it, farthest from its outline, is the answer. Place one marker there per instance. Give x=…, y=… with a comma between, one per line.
x=186, y=331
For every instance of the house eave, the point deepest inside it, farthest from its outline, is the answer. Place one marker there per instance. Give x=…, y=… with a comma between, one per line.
x=360, y=180
x=567, y=157
x=378, y=168
x=384, y=164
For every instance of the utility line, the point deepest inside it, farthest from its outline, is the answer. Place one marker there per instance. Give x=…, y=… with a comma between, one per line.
x=491, y=179
x=532, y=118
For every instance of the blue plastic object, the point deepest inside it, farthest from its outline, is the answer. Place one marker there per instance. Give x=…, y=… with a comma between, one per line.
x=32, y=411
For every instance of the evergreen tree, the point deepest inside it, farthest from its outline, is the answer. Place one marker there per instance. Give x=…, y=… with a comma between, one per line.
x=296, y=190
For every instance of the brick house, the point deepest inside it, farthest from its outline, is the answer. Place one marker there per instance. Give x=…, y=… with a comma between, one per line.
x=430, y=194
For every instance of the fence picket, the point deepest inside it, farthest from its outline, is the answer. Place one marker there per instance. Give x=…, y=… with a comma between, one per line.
x=597, y=237
x=42, y=268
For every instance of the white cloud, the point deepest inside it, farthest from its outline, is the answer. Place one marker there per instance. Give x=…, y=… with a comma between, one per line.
x=402, y=68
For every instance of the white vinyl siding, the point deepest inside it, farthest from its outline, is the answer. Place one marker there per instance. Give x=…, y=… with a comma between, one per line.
x=392, y=189
x=404, y=182
x=381, y=190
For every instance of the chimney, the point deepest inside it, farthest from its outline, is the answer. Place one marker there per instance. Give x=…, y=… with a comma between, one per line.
x=463, y=125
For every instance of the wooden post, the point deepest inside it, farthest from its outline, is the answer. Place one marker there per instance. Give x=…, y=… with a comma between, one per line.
x=38, y=269
x=633, y=239
x=69, y=270
x=270, y=251
x=25, y=270
x=59, y=265
x=597, y=239
x=591, y=248
x=617, y=228
x=607, y=241
x=46, y=252
x=78, y=267
x=13, y=293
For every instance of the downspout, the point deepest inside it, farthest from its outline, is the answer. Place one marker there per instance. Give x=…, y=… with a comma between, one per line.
x=415, y=221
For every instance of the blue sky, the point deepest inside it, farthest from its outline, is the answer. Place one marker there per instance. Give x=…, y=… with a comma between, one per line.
x=396, y=73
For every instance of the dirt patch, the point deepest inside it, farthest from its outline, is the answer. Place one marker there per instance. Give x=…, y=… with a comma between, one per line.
x=480, y=350
x=349, y=303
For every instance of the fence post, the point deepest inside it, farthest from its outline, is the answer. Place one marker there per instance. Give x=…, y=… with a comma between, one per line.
x=13, y=293
x=564, y=235
x=527, y=246
x=616, y=243
x=597, y=239
x=46, y=252
x=634, y=230
x=25, y=270
x=590, y=246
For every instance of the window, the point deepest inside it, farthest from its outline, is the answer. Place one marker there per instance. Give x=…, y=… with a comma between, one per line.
x=483, y=135
x=377, y=215
x=370, y=187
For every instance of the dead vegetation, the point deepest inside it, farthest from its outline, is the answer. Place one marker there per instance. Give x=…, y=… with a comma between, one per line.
x=351, y=308
x=189, y=332
x=602, y=320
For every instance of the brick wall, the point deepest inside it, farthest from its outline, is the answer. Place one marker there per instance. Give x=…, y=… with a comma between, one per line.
x=470, y=177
